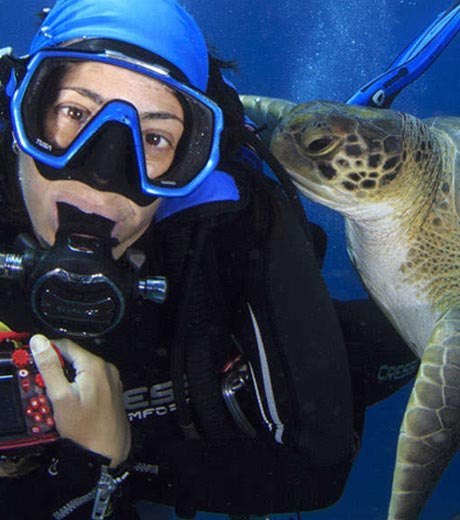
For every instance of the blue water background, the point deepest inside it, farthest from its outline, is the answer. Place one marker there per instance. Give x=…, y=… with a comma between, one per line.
x=323, y=49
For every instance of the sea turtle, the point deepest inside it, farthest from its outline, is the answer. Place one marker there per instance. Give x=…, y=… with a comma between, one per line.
x=395, y=178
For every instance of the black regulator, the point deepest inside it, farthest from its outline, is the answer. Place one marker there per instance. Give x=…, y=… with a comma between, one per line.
x=75, y=288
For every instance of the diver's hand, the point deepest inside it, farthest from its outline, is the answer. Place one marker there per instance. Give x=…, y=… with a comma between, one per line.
x=89, y=410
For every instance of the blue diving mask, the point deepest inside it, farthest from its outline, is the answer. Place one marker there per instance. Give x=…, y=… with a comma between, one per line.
x=109, y=149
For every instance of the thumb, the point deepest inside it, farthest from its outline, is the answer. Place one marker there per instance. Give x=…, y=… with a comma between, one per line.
x=48, y=364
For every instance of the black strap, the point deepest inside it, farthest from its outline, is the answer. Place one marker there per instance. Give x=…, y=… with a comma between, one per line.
x=178, y=345
x=301, y=315
x=194, y=345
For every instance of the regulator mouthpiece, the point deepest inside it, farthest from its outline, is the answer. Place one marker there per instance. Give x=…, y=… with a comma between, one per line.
x=76, y=289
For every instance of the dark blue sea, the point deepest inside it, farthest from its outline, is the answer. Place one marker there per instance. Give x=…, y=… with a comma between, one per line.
x=322, y=49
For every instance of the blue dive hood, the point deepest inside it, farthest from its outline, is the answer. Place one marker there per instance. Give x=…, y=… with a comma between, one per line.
x=161, y=27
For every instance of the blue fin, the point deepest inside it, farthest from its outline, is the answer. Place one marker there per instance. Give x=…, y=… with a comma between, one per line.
x=412, y=62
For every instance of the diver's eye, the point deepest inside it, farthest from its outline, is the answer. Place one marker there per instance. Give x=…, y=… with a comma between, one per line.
x=63, y=122
x=74, y=113
x=317, y=145
x=68, y=115
x=158, y=141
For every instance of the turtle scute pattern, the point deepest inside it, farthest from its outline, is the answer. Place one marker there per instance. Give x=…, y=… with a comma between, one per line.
x=437, y=275
x=366, y=163
x=362, y=150
x=396, y=178
x=385, y=156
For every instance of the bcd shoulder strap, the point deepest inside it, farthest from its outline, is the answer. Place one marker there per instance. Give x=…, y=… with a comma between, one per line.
x=292, y=337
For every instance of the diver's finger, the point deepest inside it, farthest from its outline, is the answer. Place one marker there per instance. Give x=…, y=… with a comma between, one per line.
x=49, y=365
x=79, y=357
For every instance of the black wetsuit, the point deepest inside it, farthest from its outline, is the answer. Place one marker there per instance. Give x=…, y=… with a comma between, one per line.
x=287, y=466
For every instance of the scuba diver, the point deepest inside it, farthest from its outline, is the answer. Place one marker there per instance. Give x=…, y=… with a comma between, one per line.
x=169, y=291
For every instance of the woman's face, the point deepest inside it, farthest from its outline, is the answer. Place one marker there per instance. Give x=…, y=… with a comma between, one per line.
x=83, y=90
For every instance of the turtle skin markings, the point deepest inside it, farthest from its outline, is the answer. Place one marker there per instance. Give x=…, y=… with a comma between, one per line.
x=393, y=177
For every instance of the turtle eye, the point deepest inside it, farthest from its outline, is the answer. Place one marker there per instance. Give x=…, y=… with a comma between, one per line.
x=319, y=144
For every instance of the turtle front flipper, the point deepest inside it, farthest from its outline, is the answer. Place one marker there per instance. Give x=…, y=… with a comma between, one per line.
x=266, y=112
x=430, y=430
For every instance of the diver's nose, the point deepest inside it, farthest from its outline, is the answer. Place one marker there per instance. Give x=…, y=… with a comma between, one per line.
x=107, y=156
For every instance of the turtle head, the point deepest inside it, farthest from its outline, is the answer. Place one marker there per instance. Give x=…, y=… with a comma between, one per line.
x=340, y=155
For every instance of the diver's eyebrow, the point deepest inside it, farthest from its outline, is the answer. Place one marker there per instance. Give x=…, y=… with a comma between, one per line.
x=160, y=115
x=94, y=96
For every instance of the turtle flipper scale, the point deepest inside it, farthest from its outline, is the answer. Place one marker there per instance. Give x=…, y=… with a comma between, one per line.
x=266, y=113
x=430, y=430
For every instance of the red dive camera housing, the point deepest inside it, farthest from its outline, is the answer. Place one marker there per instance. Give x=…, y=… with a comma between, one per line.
x=26, y=416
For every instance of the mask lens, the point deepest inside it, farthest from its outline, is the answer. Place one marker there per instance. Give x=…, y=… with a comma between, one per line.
x=62, y=111
x=37, y=107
